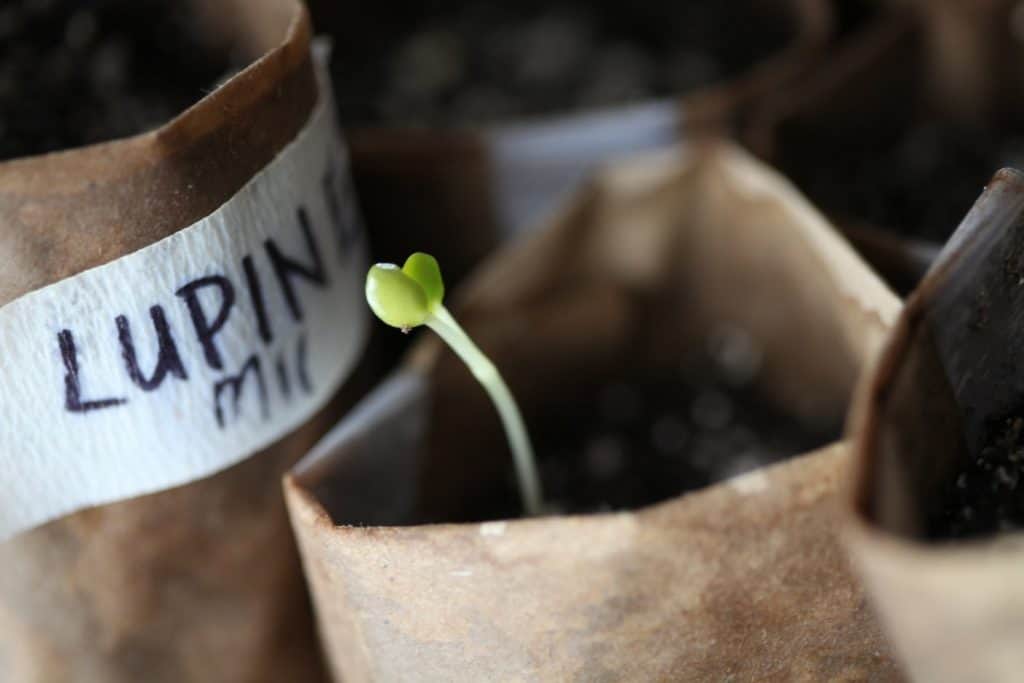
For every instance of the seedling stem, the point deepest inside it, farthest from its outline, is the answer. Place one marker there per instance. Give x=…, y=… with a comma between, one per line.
x=412, y=296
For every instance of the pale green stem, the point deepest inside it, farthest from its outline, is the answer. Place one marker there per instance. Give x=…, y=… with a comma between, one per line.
x=442, y=322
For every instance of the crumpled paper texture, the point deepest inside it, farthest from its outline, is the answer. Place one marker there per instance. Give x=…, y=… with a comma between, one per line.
x=741, y=581
x=201, y=582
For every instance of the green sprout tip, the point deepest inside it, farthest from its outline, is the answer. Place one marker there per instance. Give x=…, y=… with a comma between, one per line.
x=413, y=295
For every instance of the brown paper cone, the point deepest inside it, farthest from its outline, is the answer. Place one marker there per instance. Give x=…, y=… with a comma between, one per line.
x=741, y=581
x=458, y=193
x=197, y=583
x=953, y=608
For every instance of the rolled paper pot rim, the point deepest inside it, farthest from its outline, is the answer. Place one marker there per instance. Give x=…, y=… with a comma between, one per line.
x=706, y=106
x=281, y=54
x=951, y=608
x=745, y=483
x=414, y=376
x=864, y=420
x=364, y=417
x=559, y=541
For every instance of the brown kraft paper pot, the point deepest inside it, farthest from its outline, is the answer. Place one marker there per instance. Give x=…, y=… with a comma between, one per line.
x=952, y=603
x=200, y=582
x=741, y=581
x=466, y=189
x=858, y=94
x=974, y=52
x=926, y=98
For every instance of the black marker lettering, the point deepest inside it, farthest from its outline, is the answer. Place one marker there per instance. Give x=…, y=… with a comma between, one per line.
x=285, y=268
x=282, y=377
x=237, y=383
x=206, y=330
x=300, y=365
x=168, y=360
x=252, y=279
x=72, y=385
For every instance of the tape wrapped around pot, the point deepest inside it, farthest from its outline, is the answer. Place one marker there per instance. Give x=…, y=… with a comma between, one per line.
x=417, y=576
x=179, y=308
x=936, y=507
x=464, y=188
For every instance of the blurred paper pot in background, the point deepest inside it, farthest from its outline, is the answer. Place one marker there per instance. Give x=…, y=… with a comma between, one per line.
x=472, y=123
x=938, y=433
x=895, y=135
x=687, y=319
x=179, y=311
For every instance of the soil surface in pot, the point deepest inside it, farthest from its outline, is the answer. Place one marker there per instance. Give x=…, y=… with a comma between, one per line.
x=919, y=182
x=649, y=437
x=985, y=496
x=480, y=62
x=74, y=73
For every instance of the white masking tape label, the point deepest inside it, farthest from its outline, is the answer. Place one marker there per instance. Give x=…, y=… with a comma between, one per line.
x=187, y=356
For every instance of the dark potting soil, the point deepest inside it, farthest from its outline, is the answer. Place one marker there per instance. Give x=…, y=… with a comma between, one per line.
x=987, y=495
x=75, y=72
x=458, y=63
x=651, y=437
x=919, y=183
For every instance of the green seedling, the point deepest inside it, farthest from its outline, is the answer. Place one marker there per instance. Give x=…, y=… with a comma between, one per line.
x=411, y=296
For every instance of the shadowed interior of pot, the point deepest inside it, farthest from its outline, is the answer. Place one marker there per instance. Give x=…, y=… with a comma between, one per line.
x=688, y=299
x=945, y=433
x=75, y=73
